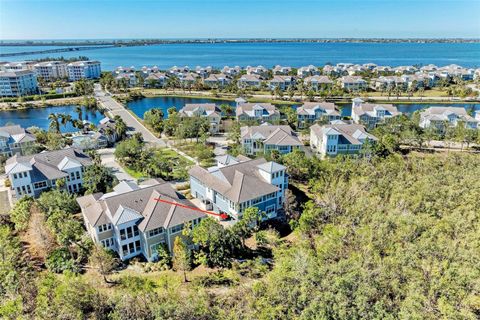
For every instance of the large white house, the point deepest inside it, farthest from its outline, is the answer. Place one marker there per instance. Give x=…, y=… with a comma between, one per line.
x=310, y=112
x=83, y=70
x=136, y=219
x=18, y=83
x=267, y=137
x=440, y=117
x=207, y=110
x=257, y=111
x=334, y=139
x=232, y=186
x=353, y=83
x=30, y=175
x=370, y=114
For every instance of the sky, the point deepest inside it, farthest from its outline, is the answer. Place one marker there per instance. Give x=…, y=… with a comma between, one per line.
x=106, y=19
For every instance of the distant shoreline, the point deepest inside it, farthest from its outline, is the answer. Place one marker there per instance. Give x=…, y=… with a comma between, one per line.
x=142, y=42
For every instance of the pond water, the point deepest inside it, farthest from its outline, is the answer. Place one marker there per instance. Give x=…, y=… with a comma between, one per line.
x=38, y=117
x=140, y=106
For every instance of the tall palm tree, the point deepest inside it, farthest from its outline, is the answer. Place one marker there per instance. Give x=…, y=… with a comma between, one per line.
x=54, y=122
x=79, y=111
x=65, y=119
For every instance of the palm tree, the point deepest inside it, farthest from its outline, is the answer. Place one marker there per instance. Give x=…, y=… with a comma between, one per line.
x=79, y=111
x=120, y=126
x=65, y=119
x=54, y=122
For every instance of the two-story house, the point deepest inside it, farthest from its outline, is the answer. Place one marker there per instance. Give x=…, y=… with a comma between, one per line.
x=318, y=82
x=267, y=137
x=217, y=81
x=353, y=83
x=207, y=110
x=230, y=188
x=249, y=81
x=442, y=117
x=281, y=82
x=15, y=140
x=135, y=220
x=334, y=139
x=370, y=114
x=257, y=111
x=307, y=71
x=310, y=112
x=30, y=175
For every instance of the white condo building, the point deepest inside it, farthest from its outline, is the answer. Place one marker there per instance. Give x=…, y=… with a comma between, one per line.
x=83, y=70
x=18, y=83
x=51, y=70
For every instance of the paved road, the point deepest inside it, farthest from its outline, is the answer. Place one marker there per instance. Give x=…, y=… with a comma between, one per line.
x=108, y=160
x=132, y=123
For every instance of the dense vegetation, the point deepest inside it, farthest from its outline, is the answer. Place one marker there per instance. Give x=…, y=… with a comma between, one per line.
x=381, y=238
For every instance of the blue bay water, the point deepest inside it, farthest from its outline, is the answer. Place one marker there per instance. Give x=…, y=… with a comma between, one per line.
x=269, y=54
x=38, y=117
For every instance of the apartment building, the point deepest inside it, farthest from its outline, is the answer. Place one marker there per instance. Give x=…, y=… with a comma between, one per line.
x=249, y=81
x=30, y=175
x=217, y=81
x=51, y=70
x=18, y=83
x=83, y=70
x=134, y=220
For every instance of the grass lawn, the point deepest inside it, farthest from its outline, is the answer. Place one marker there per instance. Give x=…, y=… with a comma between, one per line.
x=176, y=166
x=204, y=154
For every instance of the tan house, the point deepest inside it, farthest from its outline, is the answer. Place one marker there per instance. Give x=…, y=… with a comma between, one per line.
x=136, y=219
x=207, y=110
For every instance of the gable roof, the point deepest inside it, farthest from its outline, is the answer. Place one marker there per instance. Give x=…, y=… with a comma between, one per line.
x=49, y=165
x=351, y=133
x=131, y=202
x=249, y=109
x=309, y=108
x=281, y=135
x=237, y=182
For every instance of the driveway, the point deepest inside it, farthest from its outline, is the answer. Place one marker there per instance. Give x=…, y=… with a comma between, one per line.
x=108, y=160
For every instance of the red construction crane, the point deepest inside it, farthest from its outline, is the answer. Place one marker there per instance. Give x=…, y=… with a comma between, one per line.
x=222, y=216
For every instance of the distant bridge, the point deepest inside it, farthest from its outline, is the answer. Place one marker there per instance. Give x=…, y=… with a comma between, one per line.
x=70, y=49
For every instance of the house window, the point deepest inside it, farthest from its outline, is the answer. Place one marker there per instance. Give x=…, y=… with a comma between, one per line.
x=107, y=243
x=177, y=228
x=28, y=188
x=155, y=232
x=72, y=175
x=14, y=176
x=40, y=185
x=105, y=227
x=78, y=175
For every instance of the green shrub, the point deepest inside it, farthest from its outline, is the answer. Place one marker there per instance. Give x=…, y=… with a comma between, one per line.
x=20, y=214
x=59, y=260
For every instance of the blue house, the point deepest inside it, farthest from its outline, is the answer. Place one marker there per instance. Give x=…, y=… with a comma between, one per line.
x=236, y=184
